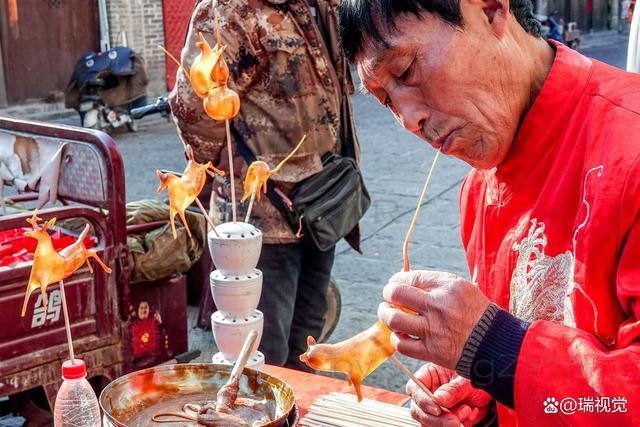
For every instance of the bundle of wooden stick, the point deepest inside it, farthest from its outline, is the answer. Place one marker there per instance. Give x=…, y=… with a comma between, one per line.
x=343, y=410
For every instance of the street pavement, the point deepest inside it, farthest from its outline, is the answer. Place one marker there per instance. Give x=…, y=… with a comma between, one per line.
x=395, y=164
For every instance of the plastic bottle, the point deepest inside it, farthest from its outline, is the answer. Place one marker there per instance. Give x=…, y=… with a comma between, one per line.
x=76, y=403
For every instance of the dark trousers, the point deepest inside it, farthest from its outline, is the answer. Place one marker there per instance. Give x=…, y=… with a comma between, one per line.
x=294, y=300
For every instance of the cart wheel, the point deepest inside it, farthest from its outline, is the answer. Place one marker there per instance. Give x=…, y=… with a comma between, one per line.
x=574, y=44
x=333, y=313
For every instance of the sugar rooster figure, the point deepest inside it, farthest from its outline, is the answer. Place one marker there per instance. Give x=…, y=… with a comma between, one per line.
x=50, y=266
x=183, y=191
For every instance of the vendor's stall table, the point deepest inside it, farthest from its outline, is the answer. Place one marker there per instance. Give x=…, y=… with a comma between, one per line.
x=307, y=387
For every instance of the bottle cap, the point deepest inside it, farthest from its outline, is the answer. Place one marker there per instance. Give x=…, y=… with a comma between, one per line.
x=74, y=369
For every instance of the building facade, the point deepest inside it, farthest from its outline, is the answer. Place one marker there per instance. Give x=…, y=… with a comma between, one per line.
x=588, y=14
x=41, y=40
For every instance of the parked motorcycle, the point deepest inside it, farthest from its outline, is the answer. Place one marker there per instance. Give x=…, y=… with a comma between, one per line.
x=105, y=86
x=161, y=106
x=568, y=34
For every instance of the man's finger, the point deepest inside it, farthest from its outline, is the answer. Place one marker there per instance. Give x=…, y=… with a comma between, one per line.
x=462, y=412
x=424, y=402
x=405, y=296
x=453, y=392
x=429, y=374
x=422, y=279
x=472, y=416
x=444, y=420
x=400, y=321
x=409, y=346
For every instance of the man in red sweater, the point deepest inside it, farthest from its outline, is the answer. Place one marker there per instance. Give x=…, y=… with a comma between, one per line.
x=550, y=214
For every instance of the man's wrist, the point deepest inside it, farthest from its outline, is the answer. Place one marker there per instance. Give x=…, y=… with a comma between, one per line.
x=478, y=333
x=490, y=354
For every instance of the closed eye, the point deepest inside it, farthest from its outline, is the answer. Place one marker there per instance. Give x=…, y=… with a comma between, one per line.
x=406, y=75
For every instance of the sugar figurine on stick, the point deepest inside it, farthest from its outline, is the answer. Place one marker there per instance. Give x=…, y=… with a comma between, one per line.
x=184, y=190
x=257, y=176
x=361, y=354
x=209, y=78
x=50, y=266
x=222, y=103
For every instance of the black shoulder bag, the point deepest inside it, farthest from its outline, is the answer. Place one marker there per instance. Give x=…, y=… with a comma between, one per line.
x=326, y=206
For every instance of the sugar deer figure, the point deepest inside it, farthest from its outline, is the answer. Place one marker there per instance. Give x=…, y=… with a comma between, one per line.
x=184, y=190
x=50, y=266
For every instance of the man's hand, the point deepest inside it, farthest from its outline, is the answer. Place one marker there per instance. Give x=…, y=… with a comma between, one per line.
x=447, y=306
x=468, y=405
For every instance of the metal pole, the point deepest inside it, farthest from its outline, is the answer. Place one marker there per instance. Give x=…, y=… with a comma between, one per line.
x=3, y=88
x=105, y=43
x=633, y=52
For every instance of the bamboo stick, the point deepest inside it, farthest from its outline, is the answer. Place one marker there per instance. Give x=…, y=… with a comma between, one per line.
x=254, y=190
x=207, y=217
x=231, y=175
x=342, y=410
x=67, y=324
x=419, y=383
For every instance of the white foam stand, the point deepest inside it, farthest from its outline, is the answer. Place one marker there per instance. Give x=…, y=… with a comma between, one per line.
x=236, y=287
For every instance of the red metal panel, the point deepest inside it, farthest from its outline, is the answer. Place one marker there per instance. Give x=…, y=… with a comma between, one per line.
x=176, y=20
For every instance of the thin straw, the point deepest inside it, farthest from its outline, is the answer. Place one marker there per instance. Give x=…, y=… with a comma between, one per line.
x=405, y=248
x=67, y=325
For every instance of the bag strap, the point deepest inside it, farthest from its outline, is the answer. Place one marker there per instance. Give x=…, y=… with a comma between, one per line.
x=273, y=196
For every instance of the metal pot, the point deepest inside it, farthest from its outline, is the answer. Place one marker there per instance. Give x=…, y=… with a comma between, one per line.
x=155, y=390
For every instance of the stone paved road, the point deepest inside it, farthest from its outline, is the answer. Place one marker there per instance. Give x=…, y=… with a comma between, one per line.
x=395, y=164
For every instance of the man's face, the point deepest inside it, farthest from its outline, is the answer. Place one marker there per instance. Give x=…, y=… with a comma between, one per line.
x=449, y=86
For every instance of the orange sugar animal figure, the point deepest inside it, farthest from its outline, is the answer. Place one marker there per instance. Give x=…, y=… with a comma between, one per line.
x=209, y=78
x=357, y=356
x=184, y=190
x=50, y=266
x=361, y=354
x=259, y=173
x=201, y=74
x=221, y=103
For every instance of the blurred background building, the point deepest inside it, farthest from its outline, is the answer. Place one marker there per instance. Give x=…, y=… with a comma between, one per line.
x=41, y=40
x=590, y=15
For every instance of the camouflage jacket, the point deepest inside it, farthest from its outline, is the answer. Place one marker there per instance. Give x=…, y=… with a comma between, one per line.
x=291, y=80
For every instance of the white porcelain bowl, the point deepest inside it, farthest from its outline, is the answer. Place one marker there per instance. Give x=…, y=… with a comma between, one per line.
x=236, y=248
x=231, y=332
x=256, y=361
x=236, y=296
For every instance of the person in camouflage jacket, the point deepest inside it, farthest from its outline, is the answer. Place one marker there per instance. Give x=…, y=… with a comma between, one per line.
x=292, y=80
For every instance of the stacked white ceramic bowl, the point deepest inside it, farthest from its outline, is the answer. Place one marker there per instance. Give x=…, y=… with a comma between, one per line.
x=236, y=287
